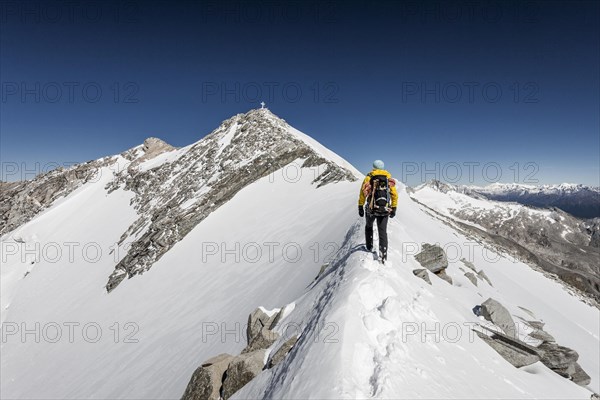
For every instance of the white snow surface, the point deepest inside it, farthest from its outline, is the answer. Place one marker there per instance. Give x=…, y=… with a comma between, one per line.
x=366, y=330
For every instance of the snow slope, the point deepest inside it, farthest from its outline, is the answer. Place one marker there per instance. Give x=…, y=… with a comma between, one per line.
x=192, y=287
x=375, y=331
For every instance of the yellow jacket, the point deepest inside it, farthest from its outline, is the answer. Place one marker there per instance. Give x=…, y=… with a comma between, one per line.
x=393, y=191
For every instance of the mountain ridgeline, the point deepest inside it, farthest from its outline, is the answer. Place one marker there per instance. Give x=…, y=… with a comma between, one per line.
x=578, y=200
x=547, y=238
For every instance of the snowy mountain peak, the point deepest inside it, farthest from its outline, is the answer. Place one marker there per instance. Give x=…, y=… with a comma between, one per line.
x=178, y=189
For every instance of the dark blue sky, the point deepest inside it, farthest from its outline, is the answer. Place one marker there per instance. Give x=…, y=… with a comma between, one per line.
x=459, y=91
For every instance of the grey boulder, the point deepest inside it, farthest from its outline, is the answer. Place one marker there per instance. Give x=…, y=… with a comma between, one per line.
x=242, y=369
x=263, y=340
x=257, y=320
x=497, y=314
x=432, y=257
x=205, y=383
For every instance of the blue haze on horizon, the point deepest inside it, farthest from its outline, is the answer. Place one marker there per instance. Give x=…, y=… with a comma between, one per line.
x=514, y=85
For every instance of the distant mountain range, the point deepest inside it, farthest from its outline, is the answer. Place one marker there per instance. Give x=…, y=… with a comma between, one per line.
x=578, y=200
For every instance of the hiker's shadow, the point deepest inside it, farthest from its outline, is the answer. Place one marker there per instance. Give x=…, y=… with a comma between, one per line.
x=336, y=264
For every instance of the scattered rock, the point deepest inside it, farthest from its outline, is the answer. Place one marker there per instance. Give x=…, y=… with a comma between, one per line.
x=542, y=335
x=422, y=273
x=242, y=370
x=536, y=324
x=471, y=276
x=432, y=257
x=282, y=351
x=497, y=314
x=207, y=380
x=483, y=276
x=468, y=264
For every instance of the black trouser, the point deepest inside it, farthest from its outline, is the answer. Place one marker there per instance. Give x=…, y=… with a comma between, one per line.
x=382, y=221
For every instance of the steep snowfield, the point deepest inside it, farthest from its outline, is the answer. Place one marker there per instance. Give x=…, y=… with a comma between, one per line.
x=169, y=305
x=372, y=330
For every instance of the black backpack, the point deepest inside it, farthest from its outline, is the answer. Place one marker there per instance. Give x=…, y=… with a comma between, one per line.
x=378, y=202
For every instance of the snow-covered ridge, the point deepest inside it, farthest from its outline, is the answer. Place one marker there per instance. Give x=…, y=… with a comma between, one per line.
x=374, y=331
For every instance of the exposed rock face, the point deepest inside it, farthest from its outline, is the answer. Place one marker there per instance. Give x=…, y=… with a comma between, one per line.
x=433, y=258
x=515, y=352
x=541, y=335
x=152, y=147
x=242, y=370
x=222, y=376
x=174, y=197
x=580, y=377
x=258, y=320
x=207, y=379
x=282, y=351
x=21, y=201
x=557, y=357
x=263, y=340
x=497, y=314
x=422, y=273
x=483, y=276
x=471, y=276
x=468, y=264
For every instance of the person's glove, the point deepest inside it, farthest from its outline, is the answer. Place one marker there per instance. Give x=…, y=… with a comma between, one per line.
x=393, y=213
x=361, y=211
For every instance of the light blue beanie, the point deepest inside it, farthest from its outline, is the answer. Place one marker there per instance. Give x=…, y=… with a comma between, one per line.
x=378, y=164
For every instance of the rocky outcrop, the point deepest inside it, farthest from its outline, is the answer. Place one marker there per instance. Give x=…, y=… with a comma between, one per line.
x=422, y=273
x=242, y=369
x=260, y=319
x=222, y=376
x=563, y=361
x=206, y=381
x=560, y=359
x=262, y=340
x=483, y=276
x=497, y=314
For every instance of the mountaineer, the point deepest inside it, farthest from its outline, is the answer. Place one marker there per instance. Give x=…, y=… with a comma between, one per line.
x=378, y=198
